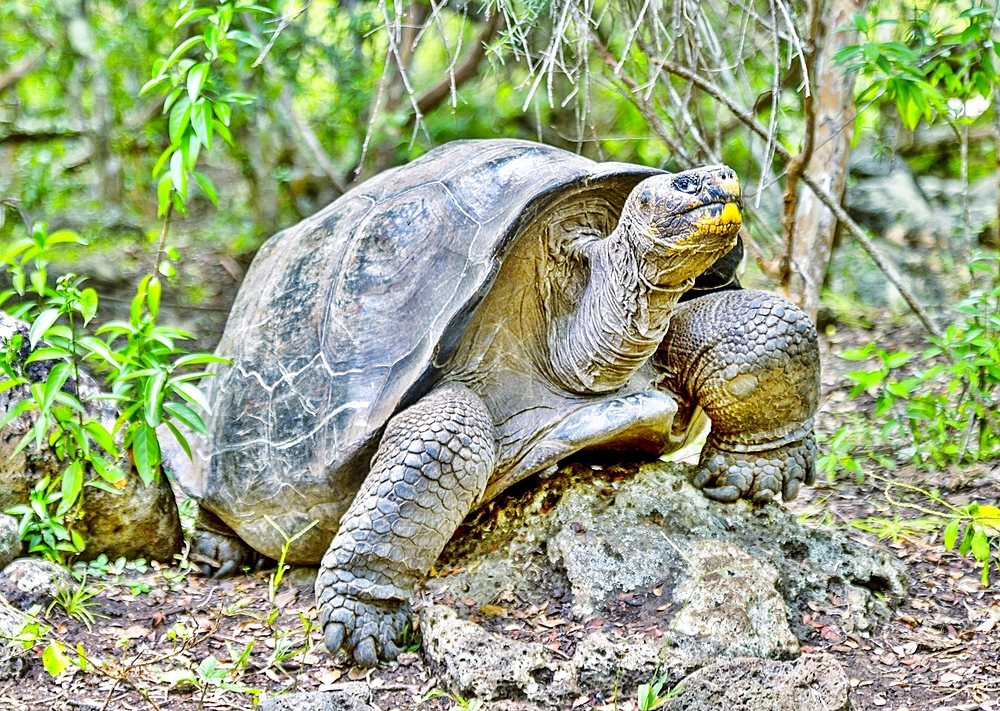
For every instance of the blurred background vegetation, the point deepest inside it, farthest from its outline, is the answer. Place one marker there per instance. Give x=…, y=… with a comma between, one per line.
x=321, y=94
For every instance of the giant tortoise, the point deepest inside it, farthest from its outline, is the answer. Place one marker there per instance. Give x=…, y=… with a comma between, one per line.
x=452, y=326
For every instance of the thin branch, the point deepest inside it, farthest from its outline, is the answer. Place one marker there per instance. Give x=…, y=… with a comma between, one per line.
x=825, y=197
x=652, y=118
x=21, y=69
x=301, y=126
x=462, y=72
x=798, y=164
x=18, y=137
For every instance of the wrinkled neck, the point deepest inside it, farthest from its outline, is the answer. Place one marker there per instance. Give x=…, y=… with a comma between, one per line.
x=619, y=321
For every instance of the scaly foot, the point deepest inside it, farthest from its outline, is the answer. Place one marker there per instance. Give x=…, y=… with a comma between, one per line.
x=759, y=476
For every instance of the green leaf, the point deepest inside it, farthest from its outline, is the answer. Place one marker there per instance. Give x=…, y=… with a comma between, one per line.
x=186, y=415
x=162, y=160
x=222, y=131
x=179, y=52
x=41, y=325
x=178, y=175
x=155, y=81
x=857, y=353
x=88, y=305
x=980, y=546
x=180, y=116
x=54, y=659
x=153, y=291
x=245, y=37
x=146, y=452
x=50, y=353
x=206, y=186
x=154, y=399
x=72, y=484
x=99, y=348
x=951, y=534
x=192, y=15
x=54, y=382
x=191, y=393
x=199, y=359
x=100, y=435
x=181, y=439
x=223, y=111
x=201, y=121
x=895, y=360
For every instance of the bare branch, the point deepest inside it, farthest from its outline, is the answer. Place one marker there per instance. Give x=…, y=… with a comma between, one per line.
x=21, y=69
x=17, y=137
x=462, y=72
x=834, y=205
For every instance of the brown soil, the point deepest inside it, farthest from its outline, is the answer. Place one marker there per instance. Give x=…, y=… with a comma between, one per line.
x=940, y=650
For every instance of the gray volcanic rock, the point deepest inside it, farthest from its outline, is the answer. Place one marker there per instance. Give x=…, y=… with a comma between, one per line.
x=316, y=701
x=10, y=540
x=33, y=581
x=719, y=581
x=810, y=683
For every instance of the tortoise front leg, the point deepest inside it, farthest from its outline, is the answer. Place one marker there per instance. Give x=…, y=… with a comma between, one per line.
x=750, y=360
x=431, y=467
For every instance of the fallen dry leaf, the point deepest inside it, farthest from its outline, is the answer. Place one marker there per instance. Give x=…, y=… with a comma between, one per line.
x=282, y=600
x=328, y=676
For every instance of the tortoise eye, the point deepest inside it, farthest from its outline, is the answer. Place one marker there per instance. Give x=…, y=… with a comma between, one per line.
x=687, y=183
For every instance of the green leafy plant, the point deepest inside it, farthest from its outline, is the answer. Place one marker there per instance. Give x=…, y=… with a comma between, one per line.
x=77, y=602
x=274, y=580
x=459, y=703
x=149, y=376
x=975, y=527
x=649, y=697
x=210, y=674
x=944, y=413
x=929, y=66
x=196, y=105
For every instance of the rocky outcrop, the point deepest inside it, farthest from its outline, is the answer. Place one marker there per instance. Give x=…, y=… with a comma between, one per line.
x=715, y=582
x=810, y=683
x=32, y=581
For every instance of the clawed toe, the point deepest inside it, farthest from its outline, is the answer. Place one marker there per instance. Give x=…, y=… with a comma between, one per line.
x=333, y=636
x=759, y=476
x=365, y=654
x=367, y=630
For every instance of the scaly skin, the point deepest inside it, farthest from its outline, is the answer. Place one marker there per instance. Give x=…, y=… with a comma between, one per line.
x=750, y=360
x=431, y=467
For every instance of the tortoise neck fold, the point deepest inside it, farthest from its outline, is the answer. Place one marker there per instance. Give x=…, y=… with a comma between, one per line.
x=619, y=320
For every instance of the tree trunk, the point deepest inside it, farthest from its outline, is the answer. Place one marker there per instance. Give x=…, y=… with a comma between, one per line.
x=834, y=122
x=109, y=167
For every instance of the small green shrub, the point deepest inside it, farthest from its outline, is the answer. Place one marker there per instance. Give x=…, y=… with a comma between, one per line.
x=148, y=376
x=944, y=413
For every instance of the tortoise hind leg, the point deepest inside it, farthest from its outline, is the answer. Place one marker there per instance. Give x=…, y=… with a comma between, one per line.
x=218, y=550
x=431, y=467
x=750, y=360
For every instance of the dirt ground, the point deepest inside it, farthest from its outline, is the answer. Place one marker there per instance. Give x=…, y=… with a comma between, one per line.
x=162, y=639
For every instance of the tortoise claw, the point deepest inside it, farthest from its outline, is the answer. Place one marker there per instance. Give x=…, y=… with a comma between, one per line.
x=368, y=630
x=725, y=494
x=333, y=636
x=757, y=476
x=364, y=653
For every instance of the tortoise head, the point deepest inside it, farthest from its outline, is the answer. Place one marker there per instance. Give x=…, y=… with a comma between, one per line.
x=681, y=223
